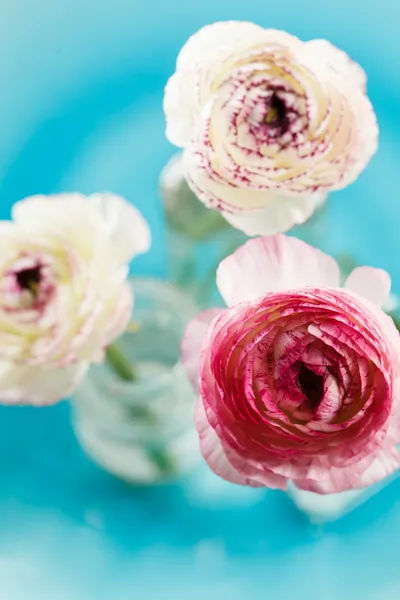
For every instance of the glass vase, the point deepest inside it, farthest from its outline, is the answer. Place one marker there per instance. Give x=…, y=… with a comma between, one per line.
x=199, y=238
x=322, y=509
x=142, y=431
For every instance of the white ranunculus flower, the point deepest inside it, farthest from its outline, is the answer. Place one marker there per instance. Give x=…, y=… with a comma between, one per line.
x=269, y=124
x=63, y=291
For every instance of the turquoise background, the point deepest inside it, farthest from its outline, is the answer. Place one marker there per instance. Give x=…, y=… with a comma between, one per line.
x=80, y=108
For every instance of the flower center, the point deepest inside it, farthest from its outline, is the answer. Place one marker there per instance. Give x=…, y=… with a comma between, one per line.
x=311, y=385
x=29, y=279
x=276, y=115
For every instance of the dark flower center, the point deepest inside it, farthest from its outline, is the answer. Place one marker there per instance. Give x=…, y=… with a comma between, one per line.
x=29, y=279
x=311, y=385
x=277, y=114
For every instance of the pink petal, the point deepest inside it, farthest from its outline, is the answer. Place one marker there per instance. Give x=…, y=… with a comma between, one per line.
x=270, y=264
x=372, y=284
x=281, y=213
x=347, y=478
x=192, y=342
x=211, y=449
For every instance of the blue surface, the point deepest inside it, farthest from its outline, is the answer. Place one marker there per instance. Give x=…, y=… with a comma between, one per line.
x=80, y=108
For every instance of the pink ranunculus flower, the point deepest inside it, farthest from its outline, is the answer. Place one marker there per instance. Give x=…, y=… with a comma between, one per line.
x=298, y=379
x=269, y=124
x=64, y=295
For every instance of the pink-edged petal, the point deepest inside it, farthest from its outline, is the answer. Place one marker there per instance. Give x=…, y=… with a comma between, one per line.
x=270, y=264
x=127, y=228
x=211, y=449
x=339, y=61
x=280, y=214
x=210, y=39
x=257, y=473
x=192, y=342
x=39, y=387
x=347, y=478
x=386, y=463
x=370, y=283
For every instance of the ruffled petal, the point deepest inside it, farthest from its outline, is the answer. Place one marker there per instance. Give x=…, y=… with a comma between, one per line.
x=270, y=264
x=192, y=342
x=280, y=214
x=211, y=449
x=102, y=217
x=372, y=284
x=212, y=38
x=339, y=61
x=128, y=231
x=347, y=478
x=179, y=107
x=39, y=387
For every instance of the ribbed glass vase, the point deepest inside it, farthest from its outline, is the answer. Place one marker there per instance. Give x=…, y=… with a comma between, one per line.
x=142, y=431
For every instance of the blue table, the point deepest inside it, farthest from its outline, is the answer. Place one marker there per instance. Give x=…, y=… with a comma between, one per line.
x=80, y=108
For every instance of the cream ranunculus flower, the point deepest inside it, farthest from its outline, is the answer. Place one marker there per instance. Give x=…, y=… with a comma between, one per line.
x=269, y=124
x=63, y=291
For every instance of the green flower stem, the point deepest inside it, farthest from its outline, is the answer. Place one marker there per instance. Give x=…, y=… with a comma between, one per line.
x=124, y=369
x=120, y=364
x=164, y=461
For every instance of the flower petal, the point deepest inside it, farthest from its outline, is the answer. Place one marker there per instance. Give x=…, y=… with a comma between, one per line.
x=372, y=284
x=212, y=38
x=192, y=342
x=342, y=479
x=280, y=214
x=270, y=264
x=38, y=387
x=128, y=231
x=211, y=449
x=179, y=106
x=338, y=60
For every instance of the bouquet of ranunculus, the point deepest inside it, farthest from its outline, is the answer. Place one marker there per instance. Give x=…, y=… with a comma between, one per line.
x=298, y=377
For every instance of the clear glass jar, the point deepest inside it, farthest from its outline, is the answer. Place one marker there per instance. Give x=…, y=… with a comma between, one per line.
x=142, y=431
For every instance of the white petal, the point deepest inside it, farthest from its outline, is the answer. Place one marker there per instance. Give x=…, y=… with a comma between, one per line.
x=210, y=39
x=372, y=284
x=40, y=212
x=256, y=212
x=274, y=263
x=192, y=342
x=91, y=221
x=128, y=230
x=339, y=61
x=179, y=107
x=38, y=387
x=280, y=214
x=211, y=448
